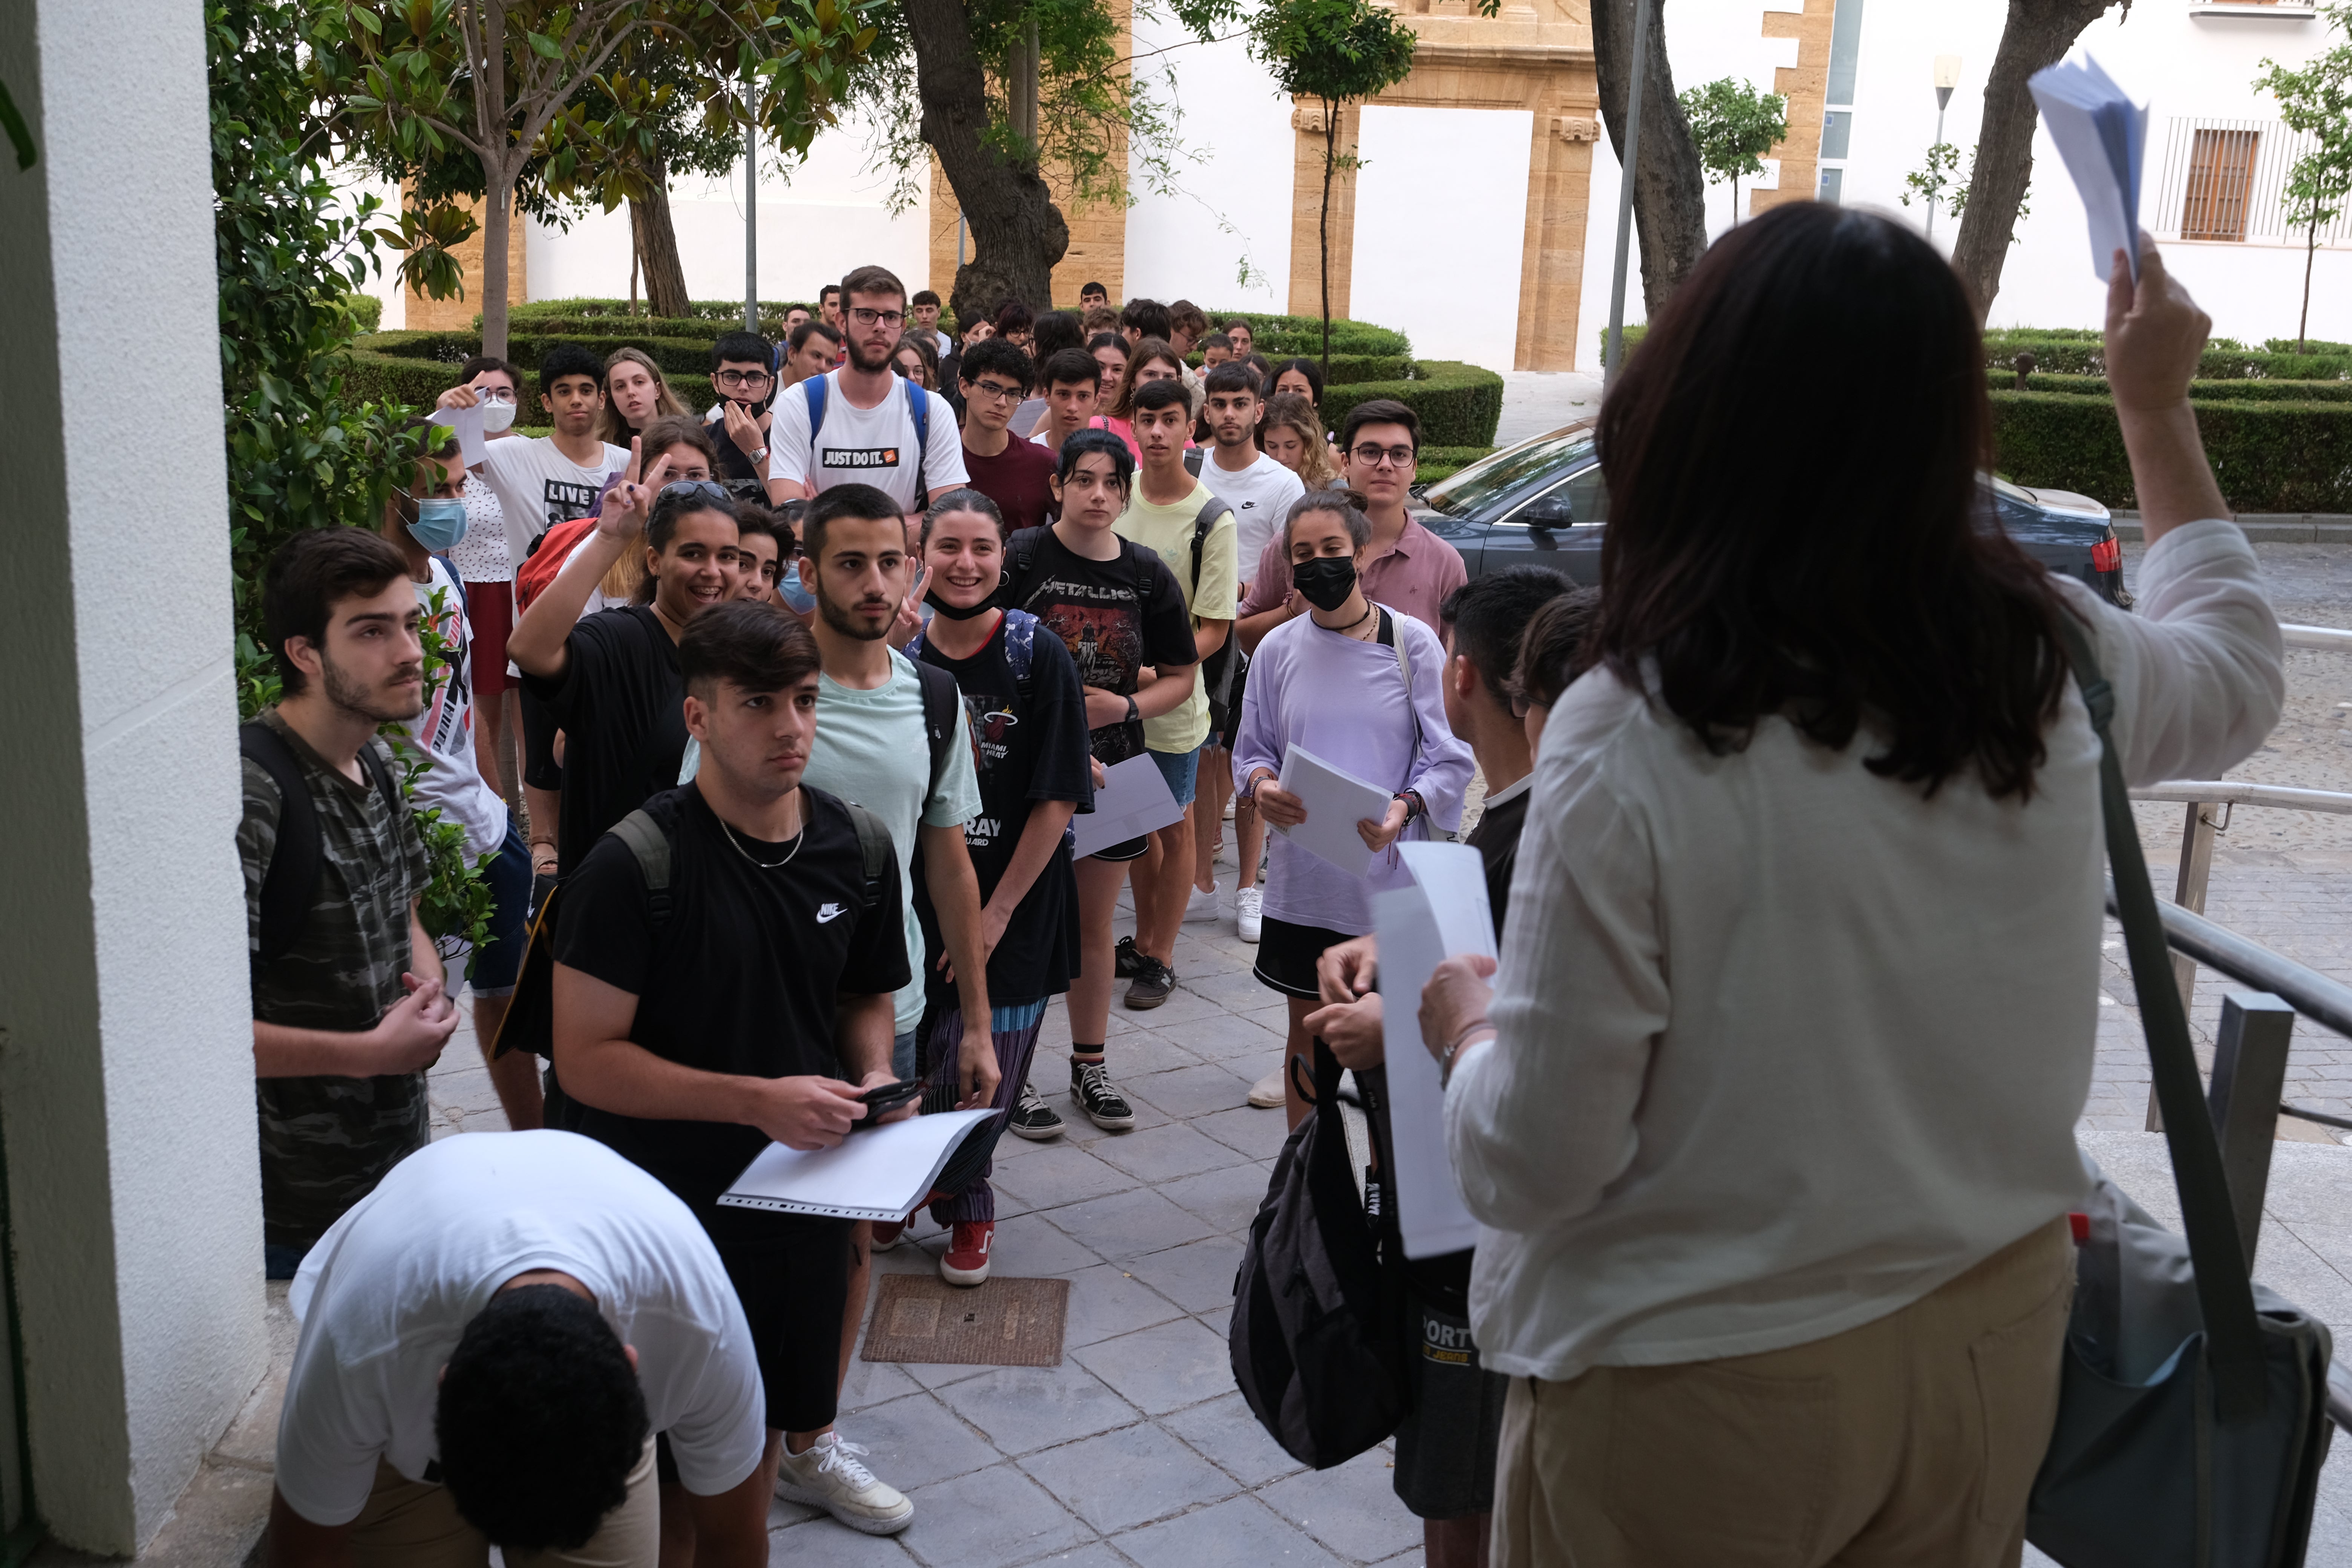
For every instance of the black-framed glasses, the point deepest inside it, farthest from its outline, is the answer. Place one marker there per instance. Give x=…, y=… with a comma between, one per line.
x=688, y=489
x=995, y=389
x=1371, y=456
x=743, y=378
x=866, y=316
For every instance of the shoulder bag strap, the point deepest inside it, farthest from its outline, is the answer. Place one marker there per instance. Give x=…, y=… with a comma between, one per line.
x=2224, y=1294
x=873, y=849
x=918, y=409
x=651, y=846
x=296, y=855
x=813, y=394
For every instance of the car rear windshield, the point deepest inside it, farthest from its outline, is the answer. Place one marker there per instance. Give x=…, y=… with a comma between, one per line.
x=1467, y=493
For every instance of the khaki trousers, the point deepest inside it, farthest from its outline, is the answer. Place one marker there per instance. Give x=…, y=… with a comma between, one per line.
x=413, y=1524
x=1912, y=1439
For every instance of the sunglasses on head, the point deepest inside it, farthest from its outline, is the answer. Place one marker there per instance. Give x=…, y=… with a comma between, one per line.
x=681, y=489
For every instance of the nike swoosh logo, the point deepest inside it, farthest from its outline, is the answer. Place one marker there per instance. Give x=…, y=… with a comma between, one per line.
x=826, y=913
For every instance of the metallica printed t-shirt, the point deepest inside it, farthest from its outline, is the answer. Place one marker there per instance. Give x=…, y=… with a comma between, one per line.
x=866, y=445
x=1114, y=617
x=1025, y=752
x=538, y=486
x=741, y=976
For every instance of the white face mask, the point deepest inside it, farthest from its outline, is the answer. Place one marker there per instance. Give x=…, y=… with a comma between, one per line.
x=497, y=416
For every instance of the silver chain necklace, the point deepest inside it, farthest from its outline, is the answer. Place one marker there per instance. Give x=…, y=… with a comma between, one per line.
x=763, y=865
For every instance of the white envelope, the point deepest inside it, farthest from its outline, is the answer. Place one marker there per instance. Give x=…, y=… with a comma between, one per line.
x=1134, y=800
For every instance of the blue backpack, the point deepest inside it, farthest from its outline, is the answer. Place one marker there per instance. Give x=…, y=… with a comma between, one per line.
x=918, y=408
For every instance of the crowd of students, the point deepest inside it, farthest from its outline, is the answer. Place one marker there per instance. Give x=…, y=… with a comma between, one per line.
x=811, y=688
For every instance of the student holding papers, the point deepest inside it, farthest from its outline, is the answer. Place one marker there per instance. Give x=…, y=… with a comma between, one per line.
x=749, y=999
x=1356, y=686
x=1119, y=611
x=1445, y=1444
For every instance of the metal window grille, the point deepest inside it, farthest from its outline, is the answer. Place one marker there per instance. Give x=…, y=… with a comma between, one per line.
x=2226, y=180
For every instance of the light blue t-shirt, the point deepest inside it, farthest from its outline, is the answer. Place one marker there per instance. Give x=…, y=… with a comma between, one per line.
x=871, y=747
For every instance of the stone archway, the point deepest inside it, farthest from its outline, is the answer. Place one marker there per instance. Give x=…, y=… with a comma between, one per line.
x=1533, y=58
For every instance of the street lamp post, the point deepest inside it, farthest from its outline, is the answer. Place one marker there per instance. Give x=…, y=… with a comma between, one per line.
x=1948, y=77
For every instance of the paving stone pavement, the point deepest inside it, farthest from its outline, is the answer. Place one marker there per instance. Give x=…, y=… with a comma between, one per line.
x=1135, y=1450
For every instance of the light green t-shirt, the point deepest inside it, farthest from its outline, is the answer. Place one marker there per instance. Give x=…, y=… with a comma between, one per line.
x=1167, y=531
x=871, y=748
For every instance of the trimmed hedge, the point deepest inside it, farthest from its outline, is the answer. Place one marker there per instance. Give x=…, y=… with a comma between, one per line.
x=2222, y=360
x=2268, y=456
x=1443, y=462
x=1459, y=404
x=2238, y=391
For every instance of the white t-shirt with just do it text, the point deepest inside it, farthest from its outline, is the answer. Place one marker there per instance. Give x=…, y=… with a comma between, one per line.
x=386, y=1294
x=867, y=445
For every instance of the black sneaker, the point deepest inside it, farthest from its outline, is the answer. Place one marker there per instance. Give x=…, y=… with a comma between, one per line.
x=1033, y=1118
x=1125, y=962
x=1153, y=980
x=1104, y=1106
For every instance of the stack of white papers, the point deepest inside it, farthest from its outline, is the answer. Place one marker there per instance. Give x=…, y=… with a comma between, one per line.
x=2103, y=140
x=1443, y=914
x=1133, y=801
x=882, y=1173
x=1336, y=801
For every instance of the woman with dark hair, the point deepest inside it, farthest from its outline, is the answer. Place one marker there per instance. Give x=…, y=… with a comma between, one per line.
x=1017, y=324
x=1771, y=1113
x=916, y=358
x=1302, y=376
x=1152, y=359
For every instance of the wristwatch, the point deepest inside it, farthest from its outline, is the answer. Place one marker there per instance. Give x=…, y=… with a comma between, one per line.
x=760, y=457
x=1133, y=712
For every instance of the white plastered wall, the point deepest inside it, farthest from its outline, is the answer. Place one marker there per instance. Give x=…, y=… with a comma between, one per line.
x=1222, y=237
x=126, y=1069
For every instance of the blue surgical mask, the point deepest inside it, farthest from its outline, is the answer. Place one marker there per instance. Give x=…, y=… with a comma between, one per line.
x=440, y=522
x=799, y=598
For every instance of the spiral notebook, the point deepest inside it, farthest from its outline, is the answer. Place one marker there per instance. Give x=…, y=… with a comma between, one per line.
x=883, y=1173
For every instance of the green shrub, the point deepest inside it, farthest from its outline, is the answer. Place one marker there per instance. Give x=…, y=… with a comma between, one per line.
x=2222, y=360
x=1634, y=332
x=1443, y=462
x=707, y=316
x=1282, y=337
x=366, y=312
x=2199, y=391
x=1459, y=404
x=2268, y=456
x=2309, y=345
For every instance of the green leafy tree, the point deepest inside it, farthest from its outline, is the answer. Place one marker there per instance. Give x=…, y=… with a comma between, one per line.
x=2317, y=101
x=1937, y=182
x=1732, y=126
x=409, y=85
x=290, y=250
x=1337, y=52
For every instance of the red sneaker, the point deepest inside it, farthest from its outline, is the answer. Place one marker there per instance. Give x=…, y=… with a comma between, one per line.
x=887, y=1234
x=965, y=1262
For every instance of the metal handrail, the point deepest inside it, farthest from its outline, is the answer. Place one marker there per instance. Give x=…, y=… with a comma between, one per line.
x=2249, y=962
x=2316, y=636
x=2230, y=792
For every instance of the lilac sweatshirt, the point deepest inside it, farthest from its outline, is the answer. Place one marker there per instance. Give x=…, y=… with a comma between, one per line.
x=1344, y=700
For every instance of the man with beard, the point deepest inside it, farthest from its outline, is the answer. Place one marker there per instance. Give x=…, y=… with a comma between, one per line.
x=874, y=745
x=350, y=1005
x=865, y=423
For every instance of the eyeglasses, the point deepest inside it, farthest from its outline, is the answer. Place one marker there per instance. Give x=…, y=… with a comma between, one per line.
x=688, y=489
x=743, y=378
x=493, y=394
x=865, y=316
x=1370, y=456
x=995, y=389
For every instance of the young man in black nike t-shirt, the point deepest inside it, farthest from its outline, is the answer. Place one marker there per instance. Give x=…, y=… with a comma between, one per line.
x=1445, y=1447
x=754, y=1003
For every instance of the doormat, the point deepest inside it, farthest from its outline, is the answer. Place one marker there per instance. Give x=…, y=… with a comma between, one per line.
x=1004, y=1323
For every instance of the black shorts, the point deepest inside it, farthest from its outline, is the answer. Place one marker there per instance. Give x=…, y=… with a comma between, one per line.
x=1125, y=849
x=791, y=1274
x=1454, y=1417
x=540, y=768
x=1287, y=955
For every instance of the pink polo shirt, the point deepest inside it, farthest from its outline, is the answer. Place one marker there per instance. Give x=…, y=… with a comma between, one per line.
x=1413, y=574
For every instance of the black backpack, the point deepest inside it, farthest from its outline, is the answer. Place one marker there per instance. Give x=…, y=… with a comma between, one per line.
x=529, y=1022
x=291, y=882
x=1314, y=1334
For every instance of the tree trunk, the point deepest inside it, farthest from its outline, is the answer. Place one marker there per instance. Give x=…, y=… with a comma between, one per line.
x=2310, y=252
x=1669, y=188
x=2037, y=34
x=1323, y=224
x=497, y=220
x=1017, y=233
x=657, y=245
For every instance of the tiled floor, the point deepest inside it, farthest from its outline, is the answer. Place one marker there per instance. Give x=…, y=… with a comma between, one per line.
x=1136, y=1449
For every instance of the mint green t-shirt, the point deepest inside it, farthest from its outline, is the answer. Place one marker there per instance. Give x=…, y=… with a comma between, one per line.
x=871, y=748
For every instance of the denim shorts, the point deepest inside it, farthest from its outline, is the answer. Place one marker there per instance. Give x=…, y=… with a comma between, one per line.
x=1182, y=772
x=493, y=966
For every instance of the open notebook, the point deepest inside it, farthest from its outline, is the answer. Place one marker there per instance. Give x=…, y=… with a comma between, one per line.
x=881, y=1174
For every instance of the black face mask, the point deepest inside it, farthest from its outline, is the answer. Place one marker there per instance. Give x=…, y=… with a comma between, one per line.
x=1325, y=581
x=961, y=612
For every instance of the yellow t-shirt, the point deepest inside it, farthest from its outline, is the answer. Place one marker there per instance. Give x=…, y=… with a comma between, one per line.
x=1167, y=531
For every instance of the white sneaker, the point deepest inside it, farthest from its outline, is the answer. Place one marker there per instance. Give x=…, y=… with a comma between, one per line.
x=1201, y=906
x=829, y=1477
x=1248, y=911
x=1266, y=1092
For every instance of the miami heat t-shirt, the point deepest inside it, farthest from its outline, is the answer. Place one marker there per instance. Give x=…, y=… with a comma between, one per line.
x=1115, y=617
